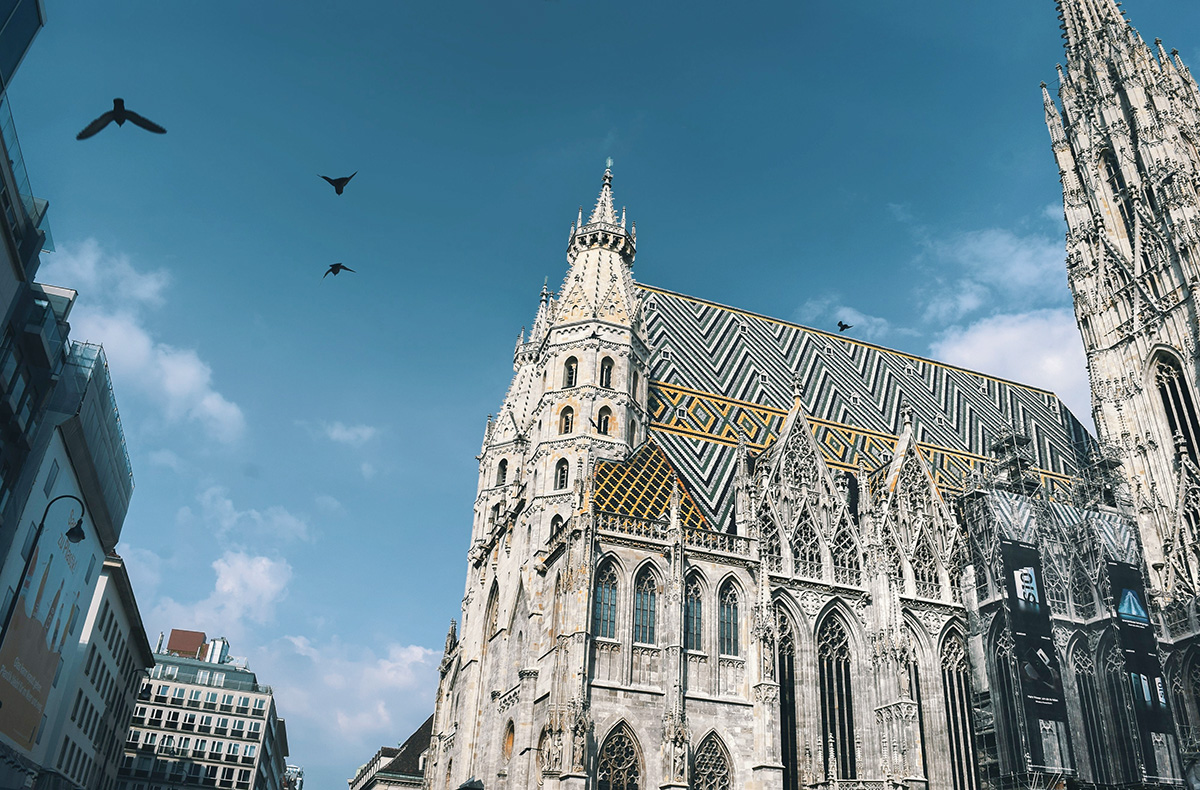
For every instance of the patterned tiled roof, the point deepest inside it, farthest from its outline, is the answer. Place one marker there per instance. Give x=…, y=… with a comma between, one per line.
x=716, y=369
x=641, y=486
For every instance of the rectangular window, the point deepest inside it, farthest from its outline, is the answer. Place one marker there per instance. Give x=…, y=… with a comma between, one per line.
x=217, y=746
x=227, y=699
x=219, y=680
x=151, y=738
x=211, y=697
x=202, y=677
x=233, y=749
x=87, y=579
x=250, y=750
x=179, y=692
x=201, y=744
x=51, y=476
x=255, y=726
x=194, y=694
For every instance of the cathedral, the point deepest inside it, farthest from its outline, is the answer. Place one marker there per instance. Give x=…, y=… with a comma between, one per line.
x=713, y=549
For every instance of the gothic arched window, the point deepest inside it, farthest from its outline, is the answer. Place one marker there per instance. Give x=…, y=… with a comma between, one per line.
x=1176, y=395
x=562, y=473
x=693, y=616
x=604, y=421
x=619, y=767
x=1124, y=732
x=570, y=372
x=604, y=608
x=1052, y=578
x=1090, y=711
x=606, y=369
x=712, y=770
x=1116, y=186
x=492, y=613
x=806, y=549
x=502, y=472
x=786, y=670
x=925, y=571
x=956, y=688
x=1082, y=593
x=644, y=596
x=566, y=420
x=771, y=552
x=846, y=566
x=837, y=700
x=728, y=624
x=633, y=387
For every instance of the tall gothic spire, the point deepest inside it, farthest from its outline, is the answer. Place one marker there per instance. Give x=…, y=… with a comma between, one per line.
x=1085, y=21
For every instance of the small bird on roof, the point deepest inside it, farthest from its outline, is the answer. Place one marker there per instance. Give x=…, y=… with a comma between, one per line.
x=340, y=183
x=335, y=269
x=119, y=114
x=843, y=326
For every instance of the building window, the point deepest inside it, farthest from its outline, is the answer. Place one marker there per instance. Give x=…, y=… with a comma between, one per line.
x=692, y=616
x=492, y=616
x=619, y=766
x=956, y=688
x=502, y=472
x=844, y=551
x=633, y=388
x=604, y=421
x=712, y=766
x=507, y=746
x=566, y=420
x=1090, y=711
x=50, y=478
x=644, y=607
x=1124, y=730
x=925, y=571
x=570, y=372
x=728, y=624
x=604, y=611
x=837, y=700
x=1177, y=400
x=606, y=369
x=785, y=664
x=562, y=472
x=806, y=549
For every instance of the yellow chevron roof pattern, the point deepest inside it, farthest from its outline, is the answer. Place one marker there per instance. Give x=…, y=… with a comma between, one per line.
x=641, y=487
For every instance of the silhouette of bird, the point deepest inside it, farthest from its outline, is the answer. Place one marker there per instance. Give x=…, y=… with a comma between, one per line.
x=843, y=326
x=335, y=269
x=340, y=183
x=119, y=114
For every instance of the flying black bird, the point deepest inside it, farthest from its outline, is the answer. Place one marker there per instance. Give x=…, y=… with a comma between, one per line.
x=843, y=326
x=335, y=269
x=340, y=183
x=119, y=114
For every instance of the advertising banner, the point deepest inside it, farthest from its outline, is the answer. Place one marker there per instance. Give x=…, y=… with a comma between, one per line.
x=47, y=612
x=1038, y=672
x=1143, y=673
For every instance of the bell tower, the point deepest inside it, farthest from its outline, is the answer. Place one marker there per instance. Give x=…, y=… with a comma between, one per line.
x=1127, y=142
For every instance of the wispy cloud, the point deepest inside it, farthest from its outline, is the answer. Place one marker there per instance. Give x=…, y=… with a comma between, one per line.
x=246, y=590
x=113, y=297
x=273, y=525
x=826, y=310
x=353, y=435
x=1038, y=347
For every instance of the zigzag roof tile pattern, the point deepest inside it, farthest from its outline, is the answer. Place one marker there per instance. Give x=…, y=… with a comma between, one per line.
x=716, y=369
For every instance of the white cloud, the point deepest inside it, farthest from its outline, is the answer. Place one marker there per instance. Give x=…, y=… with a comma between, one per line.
x=825, y=311
x=1037, y=347
x=353, y=435
x=274, y=524
x=350, y=695
x=247, y=588
x=368, y=471
x=113, y=295
x=328, y=504
x=166, y=458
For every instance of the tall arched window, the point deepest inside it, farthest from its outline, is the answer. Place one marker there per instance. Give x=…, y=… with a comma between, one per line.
x=1124, y=731
x=837, y=700
x=619, y=766
x=633, y=387
x=728, y=625
x=771, y=552
x=555, y=524
x=606, y=369
x=786, y=671
x=566, y=420
x=1116, y=186
x=846, y=566
x=712, y=763
x=502, y=472
x=562, y=474
x=806, y=549
x=925, y=571
x=692, y=615
x=604, y=608
x=644, y=597
x=491, y=617
x=956, y=689
x=1082, y=593
x=1177, y=401
x=604, y=421
x=570, y=372
x=1090, y=711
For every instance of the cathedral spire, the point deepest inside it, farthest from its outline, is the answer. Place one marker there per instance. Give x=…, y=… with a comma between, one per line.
x=1085, y=21
x=604, y=211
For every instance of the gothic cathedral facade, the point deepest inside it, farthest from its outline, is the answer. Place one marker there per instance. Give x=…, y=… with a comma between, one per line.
x=716, y=550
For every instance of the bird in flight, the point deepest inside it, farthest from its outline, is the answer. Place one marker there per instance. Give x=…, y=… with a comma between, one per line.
x=119, y=114
x=340, y=183
x=335, y=269
x=843, y=326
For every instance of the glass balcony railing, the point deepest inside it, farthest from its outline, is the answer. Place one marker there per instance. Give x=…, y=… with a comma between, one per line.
x=35, y=208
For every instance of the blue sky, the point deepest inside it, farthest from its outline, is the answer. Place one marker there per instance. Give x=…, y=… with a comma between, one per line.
x=304, y=447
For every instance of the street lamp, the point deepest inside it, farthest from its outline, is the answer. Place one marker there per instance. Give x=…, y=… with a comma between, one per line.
x=74, y=534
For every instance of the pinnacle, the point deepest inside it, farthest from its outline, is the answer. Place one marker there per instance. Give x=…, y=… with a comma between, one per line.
x=604, y=211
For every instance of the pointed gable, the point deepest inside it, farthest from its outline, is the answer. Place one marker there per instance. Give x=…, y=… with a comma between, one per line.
x=641, y=487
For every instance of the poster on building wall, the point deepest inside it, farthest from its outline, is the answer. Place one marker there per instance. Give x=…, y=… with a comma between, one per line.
x=46, y=614
x=1038, y=672
x=1143, y=673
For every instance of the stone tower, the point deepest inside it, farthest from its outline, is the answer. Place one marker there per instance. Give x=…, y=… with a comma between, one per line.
x=1127, y=141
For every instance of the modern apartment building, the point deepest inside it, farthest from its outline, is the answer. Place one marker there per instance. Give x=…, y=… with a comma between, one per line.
x=203, y=720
